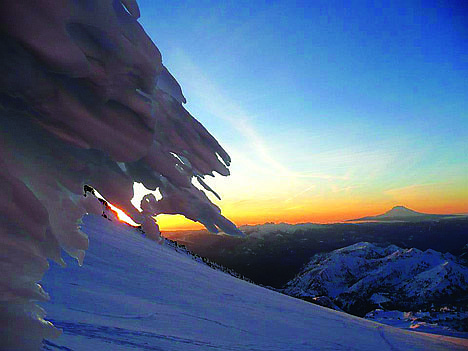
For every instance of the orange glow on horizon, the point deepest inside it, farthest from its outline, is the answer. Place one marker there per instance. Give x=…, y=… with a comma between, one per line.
x=335, y=214
x=293, y=201
x=179, y=222
x=322, y=205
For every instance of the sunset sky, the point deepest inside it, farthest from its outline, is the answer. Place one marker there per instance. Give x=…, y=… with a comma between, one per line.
x=329, y=111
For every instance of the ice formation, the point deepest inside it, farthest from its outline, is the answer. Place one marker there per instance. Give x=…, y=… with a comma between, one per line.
x=85, y=99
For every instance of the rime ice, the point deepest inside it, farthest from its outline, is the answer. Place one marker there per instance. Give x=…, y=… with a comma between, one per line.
x=85, y=99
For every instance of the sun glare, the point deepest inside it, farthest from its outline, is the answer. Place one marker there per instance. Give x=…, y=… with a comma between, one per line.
x=122, y=216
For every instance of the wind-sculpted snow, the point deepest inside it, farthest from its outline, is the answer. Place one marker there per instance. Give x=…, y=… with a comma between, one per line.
x=85, y=99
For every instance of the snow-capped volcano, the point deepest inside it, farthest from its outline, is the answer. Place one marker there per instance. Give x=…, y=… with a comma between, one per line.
x=364, y=276
x=402, y=213
x=134, y=294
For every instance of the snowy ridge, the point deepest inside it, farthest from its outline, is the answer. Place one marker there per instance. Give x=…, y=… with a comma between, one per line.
x=132, y=293
x=216, y=266
x=112, y=216
x=363, y=275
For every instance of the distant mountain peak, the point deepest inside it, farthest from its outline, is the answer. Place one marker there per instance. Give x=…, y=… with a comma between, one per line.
x=401, y=207
x=402, y=211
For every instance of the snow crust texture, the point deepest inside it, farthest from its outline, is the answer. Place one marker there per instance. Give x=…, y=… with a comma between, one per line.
x=157, y=298
x=85, y=99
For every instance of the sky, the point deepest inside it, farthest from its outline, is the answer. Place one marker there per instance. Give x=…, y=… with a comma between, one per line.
x=330, y=111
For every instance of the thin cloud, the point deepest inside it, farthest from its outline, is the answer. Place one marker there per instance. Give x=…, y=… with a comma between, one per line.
x=300, y=193
x=221, y=106
x=409, y=189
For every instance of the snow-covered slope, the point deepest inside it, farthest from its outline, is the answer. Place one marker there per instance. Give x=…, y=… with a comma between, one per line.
x=365, y=274
x=132, y=293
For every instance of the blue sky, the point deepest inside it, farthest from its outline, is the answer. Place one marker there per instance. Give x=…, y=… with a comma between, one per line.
x=333, y=106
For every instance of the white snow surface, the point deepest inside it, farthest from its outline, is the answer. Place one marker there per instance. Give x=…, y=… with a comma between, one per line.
x=132, y=293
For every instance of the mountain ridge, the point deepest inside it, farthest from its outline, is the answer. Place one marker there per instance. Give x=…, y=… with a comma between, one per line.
x=364, y=276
